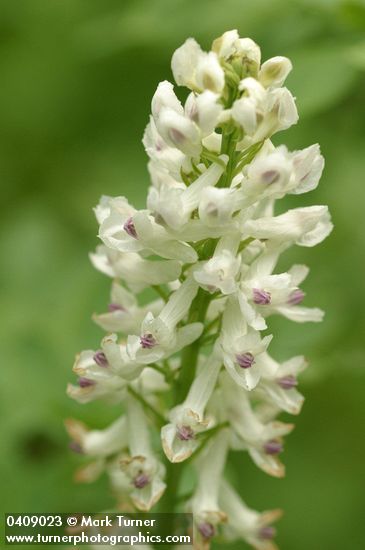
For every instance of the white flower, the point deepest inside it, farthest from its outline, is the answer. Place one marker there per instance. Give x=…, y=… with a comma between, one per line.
x=128, y=230
x=263, y=112
x=274, y=71
x=247, y=524
x=220, y=272
x=308, y=167
x=275, y=172
x=279, y=381
x=205, y=506
x=159, y=336
x=143, y=469
x=179, y=437
x=124, y=314
x=217, y=206
x=262, y=294
x=306, y=226
x=166, y=161
x=136, y=271
x=165, y=97
x=209, y=74
x=97, y=378
x=242, y=347
x=196, y=69
x=262, y=441
x=176, y=204
x=99, y=443
x=179, y=131
x=230, y=48
x=205, y=110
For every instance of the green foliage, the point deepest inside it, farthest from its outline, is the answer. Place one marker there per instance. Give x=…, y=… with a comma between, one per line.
x=77, y=78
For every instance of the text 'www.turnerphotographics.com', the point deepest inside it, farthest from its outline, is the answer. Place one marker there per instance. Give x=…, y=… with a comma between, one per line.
x=108, y=528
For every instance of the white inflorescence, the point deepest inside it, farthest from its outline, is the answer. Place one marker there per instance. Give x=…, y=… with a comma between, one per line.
x=194, y=363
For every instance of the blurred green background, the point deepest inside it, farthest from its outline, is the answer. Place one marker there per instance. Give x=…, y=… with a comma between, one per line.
x=77, y=77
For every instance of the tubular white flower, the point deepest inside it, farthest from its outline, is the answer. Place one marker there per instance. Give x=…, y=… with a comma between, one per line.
x=97, y=378
x=179, y=131
x=159, y=337
x=205, y=506
x=242, y=347
x=165, y=97
x=184, y=62
x=274, y=71
x=145, y=472
x=204, y=110
x=136, y=271
x=279, y=382
x=262, y=441
x=98, y=443
x=220, y=272
x=209, y=74
x=178, y=437
x=306, y=226
x=262, y=294
x=176, y=204
x=166, y=161
x=124, y=315
x=128, y=230
x=247, y=524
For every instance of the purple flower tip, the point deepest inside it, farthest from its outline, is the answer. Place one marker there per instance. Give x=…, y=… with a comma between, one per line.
x=245, y=360
x=86, y=382
x=130, y=228
x=273, y=447
x=115, y=307
x=207, y=530
x=100, y=359
x=185, y=433
x=267, y=533
x=287, y=382
x=261, y=297
x=296, y=297
x=147, y=341
x=75, y=447
x=141, y=480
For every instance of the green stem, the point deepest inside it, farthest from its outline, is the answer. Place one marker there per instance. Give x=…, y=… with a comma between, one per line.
x=190, y=354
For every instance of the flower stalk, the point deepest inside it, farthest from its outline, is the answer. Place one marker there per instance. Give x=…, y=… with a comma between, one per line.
x=194, y=366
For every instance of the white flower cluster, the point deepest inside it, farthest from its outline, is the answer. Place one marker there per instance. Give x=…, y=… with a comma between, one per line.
x=194, y=363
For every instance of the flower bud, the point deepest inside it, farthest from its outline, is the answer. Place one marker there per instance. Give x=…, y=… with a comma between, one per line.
x=274, y=71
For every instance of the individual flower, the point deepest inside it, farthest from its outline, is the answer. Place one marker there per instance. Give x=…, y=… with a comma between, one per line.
x=137, y=272
x=279, y=383
x=263, y=441
x=175, y=204
x=263, y=112
x=244, y=523
x=205, y=501
x=99, y=445
x=220, y=272
x=143, y=469
x=128, y=230
x=187, y=420
x=159, y=336
x=124, y=314
x=262, y=294
x=305, y=226
x=196, y=69
x=274, y=71
x=242, y=347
